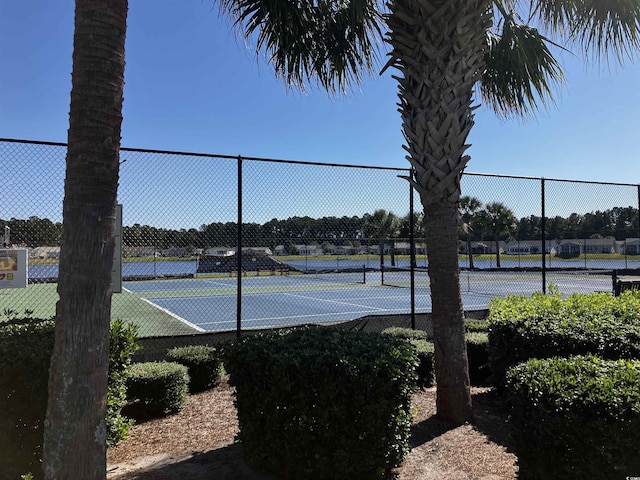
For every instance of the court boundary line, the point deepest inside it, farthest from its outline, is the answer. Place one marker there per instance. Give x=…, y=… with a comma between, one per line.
x=177, y=317
x=338, y=302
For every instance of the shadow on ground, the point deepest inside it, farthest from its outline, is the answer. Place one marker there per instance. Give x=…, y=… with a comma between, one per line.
x=225, y=463
x=490, y=418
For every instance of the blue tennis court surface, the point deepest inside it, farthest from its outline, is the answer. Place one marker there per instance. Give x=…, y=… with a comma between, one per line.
x=209, y=304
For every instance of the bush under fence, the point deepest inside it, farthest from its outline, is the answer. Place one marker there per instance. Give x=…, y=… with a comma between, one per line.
x=545, y=326
x=320, y=403
x=26, y=346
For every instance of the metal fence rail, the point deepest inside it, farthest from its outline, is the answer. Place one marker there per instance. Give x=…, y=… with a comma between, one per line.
x=318, y=243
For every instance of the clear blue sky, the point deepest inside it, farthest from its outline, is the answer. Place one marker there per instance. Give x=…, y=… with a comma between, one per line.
x=192, y=85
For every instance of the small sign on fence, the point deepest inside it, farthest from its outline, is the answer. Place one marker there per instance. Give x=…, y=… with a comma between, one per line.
x=13, y=268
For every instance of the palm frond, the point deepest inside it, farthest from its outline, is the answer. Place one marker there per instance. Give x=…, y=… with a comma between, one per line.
x=333, y=43
x=521, y=72
x=600, y=27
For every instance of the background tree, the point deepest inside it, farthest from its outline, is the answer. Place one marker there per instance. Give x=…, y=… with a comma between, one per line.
x=501, y=222
x=468, y=207
x=381, y=225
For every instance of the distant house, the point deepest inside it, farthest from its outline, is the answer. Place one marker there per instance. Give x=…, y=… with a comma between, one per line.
x=139, y=251
x=219, y=251
x=345, y=250
x=530, y=247
x=479, y=248
x=404, y=248
x=44, y=252
x=572, y=247
x=300, y=249
x=175, y=252
x=630, y=246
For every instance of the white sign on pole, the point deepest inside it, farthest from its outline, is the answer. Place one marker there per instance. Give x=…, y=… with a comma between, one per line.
x=14, y=269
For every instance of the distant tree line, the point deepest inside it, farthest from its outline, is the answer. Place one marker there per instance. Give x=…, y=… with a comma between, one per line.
x=490, y=222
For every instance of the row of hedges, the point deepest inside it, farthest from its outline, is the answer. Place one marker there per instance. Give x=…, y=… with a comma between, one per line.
x=545, y=326
x=161, y=388
x=477, y=353
x=568, y=370
x=26, y=346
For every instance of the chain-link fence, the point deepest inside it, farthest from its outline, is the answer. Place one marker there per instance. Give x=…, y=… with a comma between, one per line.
x=319, y=243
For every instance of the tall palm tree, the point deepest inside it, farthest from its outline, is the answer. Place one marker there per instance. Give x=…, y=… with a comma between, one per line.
x=501, y=222
x=468, y=207
x=75, y=431
x=443, y=50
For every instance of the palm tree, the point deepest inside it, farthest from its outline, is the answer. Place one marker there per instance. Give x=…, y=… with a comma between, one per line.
x=381, y=225
x=74, y=441
x=443, y=49
x=501, y=222
x=468, y=207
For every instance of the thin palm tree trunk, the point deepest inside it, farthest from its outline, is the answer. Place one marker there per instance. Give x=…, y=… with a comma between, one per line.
x=75, y=430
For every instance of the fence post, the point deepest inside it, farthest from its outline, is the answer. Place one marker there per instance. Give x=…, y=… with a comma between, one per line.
x=239, y=254
x=412, y=256
x=543, y=234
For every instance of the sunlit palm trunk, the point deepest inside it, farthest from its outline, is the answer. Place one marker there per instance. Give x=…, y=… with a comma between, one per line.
x=75, y=432
x=438, y=47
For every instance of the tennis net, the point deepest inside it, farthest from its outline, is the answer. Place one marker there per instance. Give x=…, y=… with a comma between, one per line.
x=346, y=276
x=507, y=282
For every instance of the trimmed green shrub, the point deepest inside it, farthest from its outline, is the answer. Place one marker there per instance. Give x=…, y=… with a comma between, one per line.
x=204, y=365
x=320, y=403
x=576, y=417
x=424, y=350
x=426, y=366
x=160, y=388
x=544, y=326
x=478, y=356
x=406, y=333
x=26, y=346
x=122, y=346
x=25, y=354
x=472, y=325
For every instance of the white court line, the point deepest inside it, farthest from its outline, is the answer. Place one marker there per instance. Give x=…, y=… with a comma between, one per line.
x=170, y=313
x=335, y=301
x=314, y=315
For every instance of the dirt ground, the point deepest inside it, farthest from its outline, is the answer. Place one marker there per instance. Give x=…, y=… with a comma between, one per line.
x=199, y=443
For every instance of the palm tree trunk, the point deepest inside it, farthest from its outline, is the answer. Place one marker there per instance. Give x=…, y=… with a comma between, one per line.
x=497, y=254
x=453, y=399
x=439, y=46
x=469, y=252
x=75, y=432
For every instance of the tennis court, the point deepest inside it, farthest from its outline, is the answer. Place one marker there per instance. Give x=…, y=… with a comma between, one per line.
x=210, y=304
x=163, y=307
